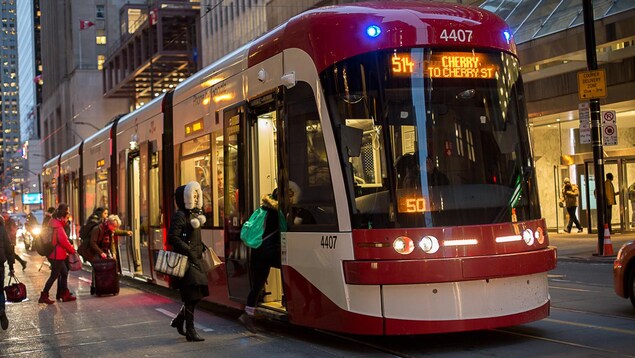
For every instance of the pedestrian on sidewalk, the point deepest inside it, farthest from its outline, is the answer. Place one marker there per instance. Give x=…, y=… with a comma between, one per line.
x=570, y=193
x=610, y=194
x=6, y=255
x=12, y=231
x=57, y=258
x=185, y=237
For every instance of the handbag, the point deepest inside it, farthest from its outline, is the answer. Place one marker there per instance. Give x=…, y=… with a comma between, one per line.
x=210, y=260
x=74, y=263
x=15, y=292
x=171, y=263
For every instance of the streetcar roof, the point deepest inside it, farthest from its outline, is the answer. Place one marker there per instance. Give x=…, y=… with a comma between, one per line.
x=332, y=34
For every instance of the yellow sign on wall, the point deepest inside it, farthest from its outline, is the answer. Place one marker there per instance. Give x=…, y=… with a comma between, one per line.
x=591, y=84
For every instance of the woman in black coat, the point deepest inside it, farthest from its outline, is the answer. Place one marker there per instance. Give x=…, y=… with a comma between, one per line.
x=185, y=237
x=6, y=255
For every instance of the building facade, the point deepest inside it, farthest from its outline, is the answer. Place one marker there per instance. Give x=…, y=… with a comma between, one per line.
x=552, y=52
x=30, y=94
x=74, y=45
x=10, y=159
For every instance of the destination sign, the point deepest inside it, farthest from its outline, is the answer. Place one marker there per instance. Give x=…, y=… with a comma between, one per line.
x=443, y=65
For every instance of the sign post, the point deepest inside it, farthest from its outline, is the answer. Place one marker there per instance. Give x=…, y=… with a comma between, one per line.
x=584, y=113
x=596, y=133
x=591, y=84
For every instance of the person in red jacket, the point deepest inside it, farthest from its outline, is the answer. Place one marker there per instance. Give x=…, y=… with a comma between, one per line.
x=63, y=247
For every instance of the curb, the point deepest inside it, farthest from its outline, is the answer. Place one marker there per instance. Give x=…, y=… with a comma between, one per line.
x=605, y=260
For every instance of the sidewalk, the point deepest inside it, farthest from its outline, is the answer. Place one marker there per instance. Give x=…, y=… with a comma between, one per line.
x=582, y=247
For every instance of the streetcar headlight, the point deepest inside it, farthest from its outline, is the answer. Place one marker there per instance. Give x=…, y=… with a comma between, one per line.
x=528, y=236
x=403, y=245
x=373, y=31
x=429, y=244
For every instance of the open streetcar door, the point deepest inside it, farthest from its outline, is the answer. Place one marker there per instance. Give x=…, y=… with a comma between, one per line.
x=251, y=171
x=138, y=163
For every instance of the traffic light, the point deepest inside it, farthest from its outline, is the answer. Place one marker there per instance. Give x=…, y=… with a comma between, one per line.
x=3, y=199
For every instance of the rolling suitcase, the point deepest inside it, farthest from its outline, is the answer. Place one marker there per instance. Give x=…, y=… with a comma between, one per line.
x=106, y=278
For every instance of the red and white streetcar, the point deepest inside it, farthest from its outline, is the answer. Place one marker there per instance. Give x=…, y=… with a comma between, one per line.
x=399, y=137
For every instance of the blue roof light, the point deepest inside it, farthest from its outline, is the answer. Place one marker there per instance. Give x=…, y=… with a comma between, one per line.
x=373, y=31
x=507, y=35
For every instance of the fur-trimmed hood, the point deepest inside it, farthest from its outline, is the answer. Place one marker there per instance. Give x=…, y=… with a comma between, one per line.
x=269, y=202
x=189, y=199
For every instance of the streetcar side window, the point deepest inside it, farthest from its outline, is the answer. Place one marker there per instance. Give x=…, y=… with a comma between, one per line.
x=218, y=190
x=155, y=190
x=196, y=165
x=89, y=196
x=102, y=188
x=308, y=166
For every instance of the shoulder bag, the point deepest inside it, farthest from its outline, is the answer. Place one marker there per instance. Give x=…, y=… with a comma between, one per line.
x=74, y=263
x=210, y=259
x=171, y=263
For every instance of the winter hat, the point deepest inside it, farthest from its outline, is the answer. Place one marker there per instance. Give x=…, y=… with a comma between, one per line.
x=195, y=206
x=567, y=181
x=297, y=192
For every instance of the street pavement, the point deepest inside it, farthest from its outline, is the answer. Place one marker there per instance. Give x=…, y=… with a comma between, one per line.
x=137, y=321
x=582, y=247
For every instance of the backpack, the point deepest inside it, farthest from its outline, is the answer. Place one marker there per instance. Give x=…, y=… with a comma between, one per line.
x=253, y=229
x=44, y=243
x=84, y=238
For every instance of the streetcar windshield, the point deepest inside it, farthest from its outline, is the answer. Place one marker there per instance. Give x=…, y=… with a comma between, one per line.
x=432, y=138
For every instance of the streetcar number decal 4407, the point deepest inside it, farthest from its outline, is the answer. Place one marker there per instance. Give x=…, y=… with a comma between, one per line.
x=328, y=241
x=455, y=35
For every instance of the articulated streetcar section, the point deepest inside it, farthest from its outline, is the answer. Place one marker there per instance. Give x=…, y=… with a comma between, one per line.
x=396, y=137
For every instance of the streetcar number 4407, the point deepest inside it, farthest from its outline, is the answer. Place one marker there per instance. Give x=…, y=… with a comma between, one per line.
x=328, y=241
x=459, y=35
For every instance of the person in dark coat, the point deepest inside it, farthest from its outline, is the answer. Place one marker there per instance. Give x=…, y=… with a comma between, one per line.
x=101, y=243
x=262, y=259
x=12, y=231
x=48, y=215
x=6, y=255
x=185, y=237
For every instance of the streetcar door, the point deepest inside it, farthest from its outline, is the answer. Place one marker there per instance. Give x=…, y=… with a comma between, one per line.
x=236, y=194
x=138, y=212
x=251, y=168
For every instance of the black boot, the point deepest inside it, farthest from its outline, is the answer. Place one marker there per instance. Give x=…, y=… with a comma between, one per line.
x=178, y=321
x=190, y=332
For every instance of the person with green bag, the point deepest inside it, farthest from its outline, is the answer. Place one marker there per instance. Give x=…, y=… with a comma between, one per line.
x=265, y=255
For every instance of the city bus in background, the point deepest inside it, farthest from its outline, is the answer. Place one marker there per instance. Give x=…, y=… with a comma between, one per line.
x=397, y=137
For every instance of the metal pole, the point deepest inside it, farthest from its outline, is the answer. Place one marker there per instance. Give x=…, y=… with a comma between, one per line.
x=596, y=126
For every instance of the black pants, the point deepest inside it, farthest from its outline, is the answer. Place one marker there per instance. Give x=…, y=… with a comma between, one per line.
x=262, y=260
x=573, y=219
x=608, y=215
x=59, y=271
x=2, y=298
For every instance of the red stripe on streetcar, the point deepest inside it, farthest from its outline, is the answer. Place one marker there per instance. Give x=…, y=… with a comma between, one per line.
x=402, y=272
